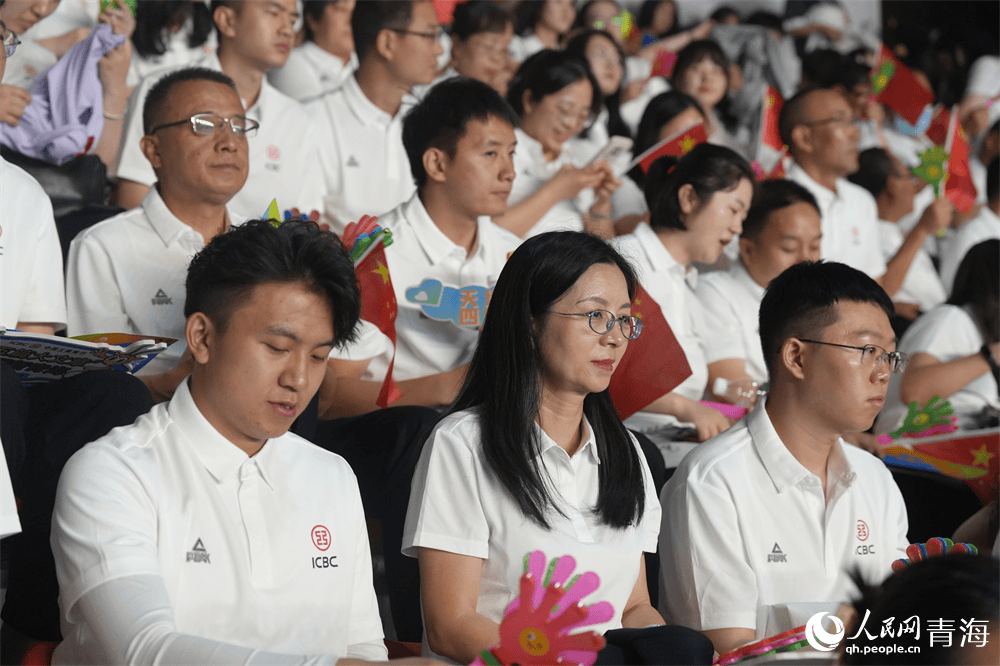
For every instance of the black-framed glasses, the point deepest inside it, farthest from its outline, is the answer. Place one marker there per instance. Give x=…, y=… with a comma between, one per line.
x=207, y=124
x=603, y=321
x=433, y=36
x=10, y=44
x=872, y=355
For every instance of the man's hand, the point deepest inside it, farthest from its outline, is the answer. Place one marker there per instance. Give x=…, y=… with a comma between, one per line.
x=13, y=101
x=937, y=216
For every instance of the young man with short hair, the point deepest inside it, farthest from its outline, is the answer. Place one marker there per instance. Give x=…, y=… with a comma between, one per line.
x=205, y=532
x=777, y=510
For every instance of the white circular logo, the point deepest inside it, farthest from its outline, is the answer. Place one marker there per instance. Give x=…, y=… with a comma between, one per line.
x=819, y=638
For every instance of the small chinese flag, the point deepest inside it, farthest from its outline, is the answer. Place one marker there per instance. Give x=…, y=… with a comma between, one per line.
x=958, y=187
x=777, y=171
x=445, y=10
x=897, y=87
x=937, y=130
x=771, y=109
x=677, y=145
x=664, y=64
x=378, y=300
x=653, y=364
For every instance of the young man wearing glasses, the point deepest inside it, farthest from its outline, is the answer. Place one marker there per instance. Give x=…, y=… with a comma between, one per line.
x=762, y=524
x=255, y=36
x=361, y=150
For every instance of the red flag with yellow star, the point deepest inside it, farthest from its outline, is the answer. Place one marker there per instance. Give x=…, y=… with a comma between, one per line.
x=378, y=300
x=896, y=86
x=677, y=145
x=967, y=455
x=770, y=111
x=959, y=187
x=653, y=364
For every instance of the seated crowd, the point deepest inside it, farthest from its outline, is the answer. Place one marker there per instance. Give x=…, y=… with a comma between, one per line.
x=309, y=438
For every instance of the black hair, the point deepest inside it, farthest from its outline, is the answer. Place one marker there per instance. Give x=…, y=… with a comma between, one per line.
x=224, y=274
x=581, y=20
x=874, y=169
x=504, y=381
x=661, y=110
x=547, y=72
x=802, y=301
x=440, y=119
x=771, y=196
x=819, y=68
x=578, y=45
x=765, y=20
x=953, y=587
x=708, y=168
x=160, y=92
x=694, y=53
x=646, y=12
x=724, y=12
x=993, y=179
x=851, y=73
x=478, y=16
x=154, y=18
x=977, y=287
x=313, y=10
x=527, y=15
x=371, y=18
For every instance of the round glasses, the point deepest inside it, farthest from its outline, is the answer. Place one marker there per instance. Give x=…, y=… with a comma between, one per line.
x=10, y=44
x=209, y=123
x=872, y=355
x=603, y=321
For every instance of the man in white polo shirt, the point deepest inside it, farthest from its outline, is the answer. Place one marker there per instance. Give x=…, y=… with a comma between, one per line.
x=255, y=36
x=126, y=274
x=360, y=124
x=771, y=515
x=206, y=533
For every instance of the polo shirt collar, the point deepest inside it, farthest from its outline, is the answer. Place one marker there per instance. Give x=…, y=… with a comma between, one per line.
x=366, y=112
x=742, y=276
x=824, y=197
x=221, y=458
x=787, y=472
x=166, y=225
x=435, y=244
x=660, y=258
x=587, y=448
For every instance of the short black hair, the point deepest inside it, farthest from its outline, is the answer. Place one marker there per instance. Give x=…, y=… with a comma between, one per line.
x=802, y=301
x=314, y=9
x=819, y=68
x=724, y=12
x=547, y=72
x=793, y=114
x=371, y=18
x=874, y=168
x=765, y=19
x=224, y=274
x=158, y=95
x=440, y=119
x=477, y=16
x=771, y=196
x=708, y=168
x=694, y=53
x=661, y=110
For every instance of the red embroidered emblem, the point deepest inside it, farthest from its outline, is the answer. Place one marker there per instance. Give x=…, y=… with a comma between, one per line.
x=862, y=531
x=321, y=537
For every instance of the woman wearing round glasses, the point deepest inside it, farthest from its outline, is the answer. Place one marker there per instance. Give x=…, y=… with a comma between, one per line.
x=532, y=455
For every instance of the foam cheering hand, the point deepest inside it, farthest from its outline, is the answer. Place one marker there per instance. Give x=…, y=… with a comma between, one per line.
x=916, y=552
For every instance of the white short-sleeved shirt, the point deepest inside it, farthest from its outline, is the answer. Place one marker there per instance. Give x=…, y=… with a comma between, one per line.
x=982, y=227
x=849, y=219
x=269, y=551
x=310, y=72
x=126, y=274
x=177, y=54
x=672, y=286
x=731, y=301
x=457, y=505
x=441, y=293
x=372, y=345
x=30, y=255
x=531, y=171
x=948, y=332
x=747, y=527
x=283, y=153
x=365, y=167
x=523, y=47
x=29, y=60
x=921, y=285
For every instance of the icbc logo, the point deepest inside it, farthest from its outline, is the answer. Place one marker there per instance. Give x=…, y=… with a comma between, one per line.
x=321, y=537
x=862, y=531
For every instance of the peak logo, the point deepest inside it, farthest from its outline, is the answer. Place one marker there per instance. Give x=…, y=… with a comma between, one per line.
x=819, y=638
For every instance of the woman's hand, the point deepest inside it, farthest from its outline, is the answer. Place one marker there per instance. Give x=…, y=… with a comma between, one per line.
x=13, y=101
x=120, y=19
x=708, y=422
x=571, y=180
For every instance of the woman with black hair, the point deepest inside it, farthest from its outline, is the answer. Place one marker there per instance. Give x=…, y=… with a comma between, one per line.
x=169, y=33
x=555, y=96
x=325, y=58
x=540, y=24
x=667, y=114
x=532, y=455
x=697, y=205
x=954, y=349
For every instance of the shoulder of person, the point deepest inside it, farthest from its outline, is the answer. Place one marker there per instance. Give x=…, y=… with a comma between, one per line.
x=718, y=458
x=136, y=447
x=110, y=230
x=306, y=458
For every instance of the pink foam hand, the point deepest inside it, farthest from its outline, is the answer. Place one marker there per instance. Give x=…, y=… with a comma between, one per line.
x=581, y=586
x=727, y=410
x=598, y=613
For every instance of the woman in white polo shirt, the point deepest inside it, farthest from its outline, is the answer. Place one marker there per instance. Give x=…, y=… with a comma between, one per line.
x=533, y=455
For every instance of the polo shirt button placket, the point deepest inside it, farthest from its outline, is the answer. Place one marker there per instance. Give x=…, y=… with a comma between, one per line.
x=255, y=524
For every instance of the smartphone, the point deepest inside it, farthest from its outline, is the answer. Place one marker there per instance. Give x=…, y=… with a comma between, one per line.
x=615, y=147
x=114, y=4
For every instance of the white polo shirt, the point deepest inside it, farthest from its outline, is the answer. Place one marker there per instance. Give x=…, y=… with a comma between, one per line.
x=441, y=293
x=177, y=53
x=921, y=285
x=127, y=274
x=982, y=227
x=31, y=272
x=283, y=154
x=948, y=332
x=269, y=552
x=849, y=220
x=746, y=527
x=531, y=171
x=523, y=47
x=364, y=164
x=310, y=72
x=457, y=505
x=731, y=301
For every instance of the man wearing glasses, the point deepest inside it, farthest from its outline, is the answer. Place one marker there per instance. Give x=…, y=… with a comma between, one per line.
x=360, y=125
x=762, y=524
x=126, y=274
